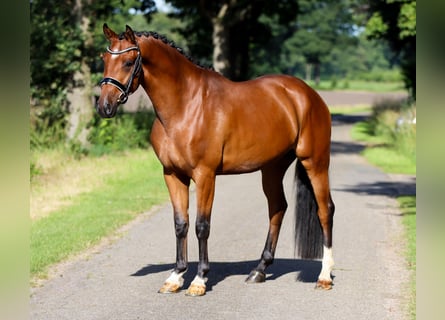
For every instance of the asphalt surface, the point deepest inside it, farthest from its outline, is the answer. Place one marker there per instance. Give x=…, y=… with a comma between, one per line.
x=120, y=279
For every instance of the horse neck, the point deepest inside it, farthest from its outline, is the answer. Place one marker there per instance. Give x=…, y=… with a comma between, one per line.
x=170, y=79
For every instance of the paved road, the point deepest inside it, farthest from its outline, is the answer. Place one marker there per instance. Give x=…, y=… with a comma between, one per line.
x=120, y=280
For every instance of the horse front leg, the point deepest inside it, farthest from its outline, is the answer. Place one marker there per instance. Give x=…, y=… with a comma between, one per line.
x=178, y=187
x=205, y=191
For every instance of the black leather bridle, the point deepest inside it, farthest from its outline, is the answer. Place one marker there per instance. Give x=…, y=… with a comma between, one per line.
x=124, y=89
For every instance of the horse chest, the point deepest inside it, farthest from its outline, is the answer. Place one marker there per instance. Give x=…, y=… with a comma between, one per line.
x=177, y=151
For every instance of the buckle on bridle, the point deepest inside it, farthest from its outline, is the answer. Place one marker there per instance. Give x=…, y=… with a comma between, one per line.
x=122, y=98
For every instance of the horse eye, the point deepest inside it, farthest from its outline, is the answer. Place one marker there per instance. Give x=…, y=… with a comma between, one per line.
x=128, y=63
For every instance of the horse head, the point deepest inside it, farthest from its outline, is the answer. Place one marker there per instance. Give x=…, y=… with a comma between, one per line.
x=122, y=71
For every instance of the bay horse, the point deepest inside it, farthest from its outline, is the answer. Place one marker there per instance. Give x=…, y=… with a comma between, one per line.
x=207, y=125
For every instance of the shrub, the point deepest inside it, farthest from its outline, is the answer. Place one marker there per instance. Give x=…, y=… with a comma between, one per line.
x=126, y=131
x=395, y=122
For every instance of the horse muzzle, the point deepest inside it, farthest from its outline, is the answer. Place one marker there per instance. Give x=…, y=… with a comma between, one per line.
x=106, y=109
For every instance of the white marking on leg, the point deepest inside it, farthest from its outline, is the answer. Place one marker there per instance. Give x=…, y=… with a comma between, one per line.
x=327, y=264
x=176, y=278
x=199, y=281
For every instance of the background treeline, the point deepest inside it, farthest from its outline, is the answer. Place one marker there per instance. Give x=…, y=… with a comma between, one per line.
x=329, y=43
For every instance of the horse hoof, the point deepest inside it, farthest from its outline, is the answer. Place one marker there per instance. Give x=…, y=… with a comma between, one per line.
x=256, y=276
x=169, y=287
x=195, y=290
x=324, y=284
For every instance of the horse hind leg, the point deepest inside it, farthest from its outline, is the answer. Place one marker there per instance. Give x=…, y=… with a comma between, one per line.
x=272, y=177
x=319, y=178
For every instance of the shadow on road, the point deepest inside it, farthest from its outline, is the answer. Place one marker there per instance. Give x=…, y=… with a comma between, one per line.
x=308, y=270
x=339, y=119
x=391, y=189
x=346, y=147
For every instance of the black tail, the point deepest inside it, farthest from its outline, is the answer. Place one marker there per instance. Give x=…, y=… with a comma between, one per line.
x=308, y=232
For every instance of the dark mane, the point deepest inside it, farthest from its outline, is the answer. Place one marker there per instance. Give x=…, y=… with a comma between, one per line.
x=168, y=42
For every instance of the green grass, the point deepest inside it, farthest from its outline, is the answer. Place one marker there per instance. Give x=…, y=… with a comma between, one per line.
x=359, y=85
x=381, y=152
x=361, y=108
x=390, y=160
x=408, y=207
x=363, y=131
x=391, y=148
x=132, y=187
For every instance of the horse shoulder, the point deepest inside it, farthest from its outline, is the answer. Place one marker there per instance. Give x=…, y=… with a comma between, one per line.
x=179, y=149
x=159, y=141
x=164, y=147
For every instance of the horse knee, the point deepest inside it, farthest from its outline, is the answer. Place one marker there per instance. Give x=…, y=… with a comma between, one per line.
x=202, y=228
x=181, y=227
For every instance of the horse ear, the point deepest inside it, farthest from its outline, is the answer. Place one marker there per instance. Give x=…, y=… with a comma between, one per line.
x=109, y=34
x=129, y=34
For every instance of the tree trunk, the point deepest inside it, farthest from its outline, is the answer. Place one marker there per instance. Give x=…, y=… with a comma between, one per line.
x=317, y=73
x=80, y=98
x=220, y=39
x=80, y=106
x=308, y=72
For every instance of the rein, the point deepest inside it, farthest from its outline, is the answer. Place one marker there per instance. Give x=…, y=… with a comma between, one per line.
x=124, y=89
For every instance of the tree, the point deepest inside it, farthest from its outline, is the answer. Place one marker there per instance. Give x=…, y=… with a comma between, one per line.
x=321, y=26
x=63, y=50
x=229, y=28
x=395, y=22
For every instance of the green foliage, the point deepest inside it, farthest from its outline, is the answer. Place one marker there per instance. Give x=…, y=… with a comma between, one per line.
x=124, y=132
x=395, y=22
x=63, y=37
x=323, y=43
x=320, y=27
x=243, y=28
x=48, y=123
x=391, y=136
x=395, y=121
x=407, y=20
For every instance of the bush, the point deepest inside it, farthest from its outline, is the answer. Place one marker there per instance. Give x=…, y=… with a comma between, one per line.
x=395, y=122
x=47, y=121
x=382, y=75
x=126, y=131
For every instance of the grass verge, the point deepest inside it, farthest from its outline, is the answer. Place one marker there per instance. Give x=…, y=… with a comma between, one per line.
x=359, y=85
x=392, y=147
x=132, y=184
x=390, y=136
x=408, y=207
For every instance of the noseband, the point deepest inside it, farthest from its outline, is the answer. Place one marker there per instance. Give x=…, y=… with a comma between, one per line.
x=124, y=89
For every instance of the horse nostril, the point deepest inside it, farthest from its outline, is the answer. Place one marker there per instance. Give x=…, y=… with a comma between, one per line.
x=108, y=109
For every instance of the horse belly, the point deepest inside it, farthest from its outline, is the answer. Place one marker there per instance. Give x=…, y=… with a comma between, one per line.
x=255, y=148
